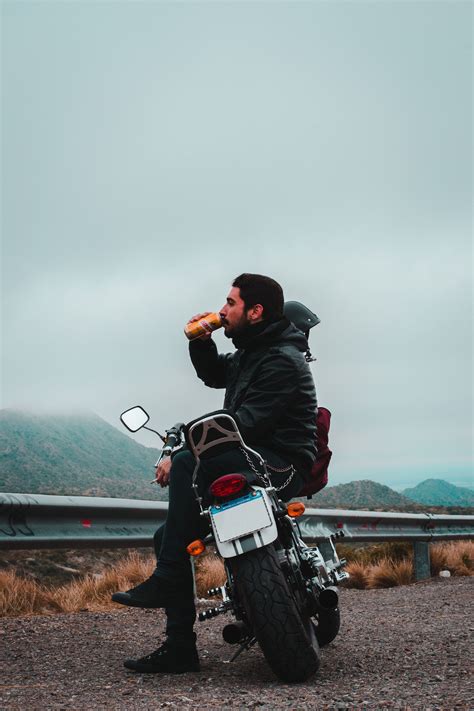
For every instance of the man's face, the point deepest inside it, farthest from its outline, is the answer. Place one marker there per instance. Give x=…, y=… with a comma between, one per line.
x=233, y=314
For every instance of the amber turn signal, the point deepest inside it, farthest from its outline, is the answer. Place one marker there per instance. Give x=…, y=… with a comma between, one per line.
x=196, y=547
x=295, y=509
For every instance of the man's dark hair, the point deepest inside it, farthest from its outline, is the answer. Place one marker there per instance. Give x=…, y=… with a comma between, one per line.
x=259, y=289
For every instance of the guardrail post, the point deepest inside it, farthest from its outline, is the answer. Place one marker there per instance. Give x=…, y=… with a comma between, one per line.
x=421, y=550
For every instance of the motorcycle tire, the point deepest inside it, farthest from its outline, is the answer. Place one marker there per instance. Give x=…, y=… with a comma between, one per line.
x=329, y=623
x=287, y=640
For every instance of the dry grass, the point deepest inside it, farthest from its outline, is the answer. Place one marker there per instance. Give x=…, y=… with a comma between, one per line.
x=390, y=564
x=210, y=573
x=22, y=596
x=388, y=573
x=358, y=575
x=374, y=553
x=385, y=573
x=455, y=556
x=93, y=592
x=385, y=565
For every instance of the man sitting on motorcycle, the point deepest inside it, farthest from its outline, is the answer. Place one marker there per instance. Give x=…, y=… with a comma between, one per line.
x=270, y=392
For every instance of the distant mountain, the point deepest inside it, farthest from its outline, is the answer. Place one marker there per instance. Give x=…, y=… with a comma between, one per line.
x=364, y=494
x=74, y=455
x=84, y=455
x=437, y=492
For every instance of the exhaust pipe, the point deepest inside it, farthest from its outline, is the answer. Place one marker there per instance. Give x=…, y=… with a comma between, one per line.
x=328, y=598
x=235, y=632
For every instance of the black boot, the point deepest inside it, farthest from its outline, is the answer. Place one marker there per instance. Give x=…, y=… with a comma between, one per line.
x=157, y=592
x=168, y=659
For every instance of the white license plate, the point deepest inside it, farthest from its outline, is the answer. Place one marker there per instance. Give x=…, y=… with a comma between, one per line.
x=240, y=517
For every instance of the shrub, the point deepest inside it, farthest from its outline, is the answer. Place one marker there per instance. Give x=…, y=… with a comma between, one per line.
x=358, y=575
x=210, y=573
x=389, y=573
x=367, y=568
x=21, y=596
x=373, y=553
x=94, y=591
x=438, y=558
x=455, y=556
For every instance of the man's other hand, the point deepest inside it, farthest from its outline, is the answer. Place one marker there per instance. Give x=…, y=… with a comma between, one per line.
x=198, y=317
x=162, y=476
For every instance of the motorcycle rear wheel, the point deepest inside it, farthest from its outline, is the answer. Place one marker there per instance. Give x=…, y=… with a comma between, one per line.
x=286, y=638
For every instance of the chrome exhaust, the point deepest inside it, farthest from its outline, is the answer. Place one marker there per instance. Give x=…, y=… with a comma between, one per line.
x=328, y=598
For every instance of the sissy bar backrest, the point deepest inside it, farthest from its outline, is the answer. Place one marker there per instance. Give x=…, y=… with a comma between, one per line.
x=212, y=434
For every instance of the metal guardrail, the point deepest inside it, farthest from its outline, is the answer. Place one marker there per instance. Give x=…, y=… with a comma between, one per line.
x=31, y=521
x=361, y=526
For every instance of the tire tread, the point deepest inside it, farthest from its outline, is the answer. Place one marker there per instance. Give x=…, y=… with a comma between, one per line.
x=274, y=617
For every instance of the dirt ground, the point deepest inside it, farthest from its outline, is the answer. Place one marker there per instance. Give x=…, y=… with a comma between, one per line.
x=398, y=648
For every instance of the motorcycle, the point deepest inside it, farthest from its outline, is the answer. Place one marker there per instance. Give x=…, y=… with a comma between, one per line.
x=281, y=592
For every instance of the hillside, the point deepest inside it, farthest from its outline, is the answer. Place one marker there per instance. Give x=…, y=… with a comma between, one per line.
x=84, y=455
x=437, y=492
x=74, y=455
x=363, y=494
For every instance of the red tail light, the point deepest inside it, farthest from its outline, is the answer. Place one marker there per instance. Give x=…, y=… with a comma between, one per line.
x=228, y=485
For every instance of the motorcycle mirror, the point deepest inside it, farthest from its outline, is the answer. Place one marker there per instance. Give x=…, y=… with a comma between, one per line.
x=134, y=418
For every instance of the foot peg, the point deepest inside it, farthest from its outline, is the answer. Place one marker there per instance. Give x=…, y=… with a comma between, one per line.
x=214, y=611
x=208, y=614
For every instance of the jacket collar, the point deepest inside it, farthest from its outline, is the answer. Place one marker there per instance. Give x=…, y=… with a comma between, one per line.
x=262, y=335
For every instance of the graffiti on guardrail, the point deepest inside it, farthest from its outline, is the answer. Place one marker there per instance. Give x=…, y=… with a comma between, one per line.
x=13, y=516
x=124, y=530
x=370, y=525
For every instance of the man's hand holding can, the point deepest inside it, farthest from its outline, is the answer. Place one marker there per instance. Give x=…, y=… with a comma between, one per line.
x=202, y=325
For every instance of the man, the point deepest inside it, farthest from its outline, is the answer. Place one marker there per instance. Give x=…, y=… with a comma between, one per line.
x=270, y=392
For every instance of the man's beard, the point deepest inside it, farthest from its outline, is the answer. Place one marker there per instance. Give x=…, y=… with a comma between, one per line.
x=240, y=327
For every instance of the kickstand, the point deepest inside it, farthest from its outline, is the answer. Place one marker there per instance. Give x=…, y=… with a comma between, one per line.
x=249, y=642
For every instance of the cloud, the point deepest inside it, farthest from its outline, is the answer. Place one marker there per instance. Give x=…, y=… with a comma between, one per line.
x=191, y=143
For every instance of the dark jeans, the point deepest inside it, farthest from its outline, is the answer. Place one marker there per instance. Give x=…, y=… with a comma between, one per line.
x=184, y=524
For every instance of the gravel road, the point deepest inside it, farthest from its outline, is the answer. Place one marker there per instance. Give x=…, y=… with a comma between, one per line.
x=400, y=648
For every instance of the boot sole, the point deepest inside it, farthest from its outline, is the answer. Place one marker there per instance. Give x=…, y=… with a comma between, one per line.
x=124, y=599
x=152, y=670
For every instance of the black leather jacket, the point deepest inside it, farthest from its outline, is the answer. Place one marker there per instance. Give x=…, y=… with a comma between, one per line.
x=269, y=388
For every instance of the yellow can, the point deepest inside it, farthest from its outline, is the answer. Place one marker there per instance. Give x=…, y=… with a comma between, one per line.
x=208, y=324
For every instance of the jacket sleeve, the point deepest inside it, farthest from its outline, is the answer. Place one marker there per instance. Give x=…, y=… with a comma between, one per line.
x=211, y=367
x=267, y=397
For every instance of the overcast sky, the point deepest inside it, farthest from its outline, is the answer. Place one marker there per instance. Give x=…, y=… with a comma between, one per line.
x=152, y=151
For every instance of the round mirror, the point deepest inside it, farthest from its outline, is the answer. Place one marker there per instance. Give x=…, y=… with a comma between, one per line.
x=135, y=418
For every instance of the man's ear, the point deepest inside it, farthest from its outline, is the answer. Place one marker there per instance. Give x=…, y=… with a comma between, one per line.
x=255, y=313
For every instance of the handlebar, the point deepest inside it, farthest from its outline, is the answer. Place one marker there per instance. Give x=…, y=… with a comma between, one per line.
x=172, y=439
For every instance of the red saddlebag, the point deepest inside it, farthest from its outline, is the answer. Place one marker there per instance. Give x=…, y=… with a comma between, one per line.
x=318, y=477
